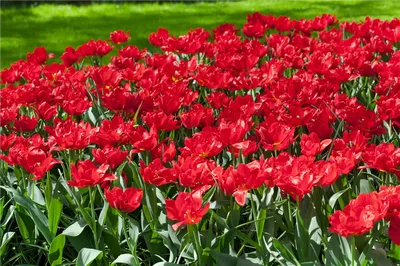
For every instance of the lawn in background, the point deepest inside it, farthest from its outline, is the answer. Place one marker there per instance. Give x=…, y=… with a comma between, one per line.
x=57, y=26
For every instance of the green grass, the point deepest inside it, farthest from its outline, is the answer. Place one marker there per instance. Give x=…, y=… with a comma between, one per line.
x=56, y=27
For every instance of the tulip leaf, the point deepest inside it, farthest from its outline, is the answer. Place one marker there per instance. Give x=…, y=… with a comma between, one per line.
x=365, y=186
x=75, y=229
x=56, y=250
x=8, y=216
x=1, y=207
x=25, y=224
x=133, y=231
x=35, y=213
x=395, y=252
x=226, y=259
x=54, y=213
x=35, y=194
x=87, y=255
x=6, y=238
x=304, y=245
x=155, y=244
x=168, y=243
x=315, y=236
x=221, y=221
x=103, y=214
x=285, y=252
x=262, y=214
x=54, y=205
x=127, y=259
x=233, y=218
x=112, y=243
x=83, y=240
x=91, y=115
x=336, y=196
x=338, y=251
x=166, y=264
x=79, y=235
x=380, y=257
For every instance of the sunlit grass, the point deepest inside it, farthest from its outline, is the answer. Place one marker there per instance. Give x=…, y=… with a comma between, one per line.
x=56, y=27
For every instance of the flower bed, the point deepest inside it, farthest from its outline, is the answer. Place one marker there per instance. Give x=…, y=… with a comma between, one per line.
x=273, y=145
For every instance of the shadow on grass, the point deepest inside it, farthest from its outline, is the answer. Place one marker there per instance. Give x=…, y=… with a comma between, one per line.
x=23, y=29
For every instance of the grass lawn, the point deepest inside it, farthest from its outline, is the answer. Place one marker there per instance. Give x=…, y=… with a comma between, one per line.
x=57, y=26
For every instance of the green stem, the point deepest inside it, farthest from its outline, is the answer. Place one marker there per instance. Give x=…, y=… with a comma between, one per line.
x=93, y=213
x=194, y=234
x=131, y=248
x=289, y=214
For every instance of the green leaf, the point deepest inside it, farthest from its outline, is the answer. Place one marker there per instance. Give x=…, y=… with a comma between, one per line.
x=261, y=223
x=168, y=243
x=35, y=194
x=37, y=216
x=315, y=236
x=6, y=238
x=233, y=218
x=226, y=259
x=54, y=205
x=91, y=116
x=56, y=250
x=103, y=214
x=25, y=224
x=365, y=186
x=8, y=216
x=75, y=229
x=336, y=196
x=302, y=238
x=1, y=207
x=133, y=232
x=79, y=235
x=112, y=222
x=127, y=259
x=338, y=251
x=380, y=257
x=155, y=245
x=225, y=240
x=166, y=264
x=247, y=239
x=285, y=252
x=112, y=243
x=87, y=255
x=395, y=252
x=54, y=210
x=219, y=220
x=84, y=240
x=48, y=191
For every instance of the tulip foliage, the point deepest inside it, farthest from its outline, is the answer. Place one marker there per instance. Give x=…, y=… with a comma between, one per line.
x=274, y=144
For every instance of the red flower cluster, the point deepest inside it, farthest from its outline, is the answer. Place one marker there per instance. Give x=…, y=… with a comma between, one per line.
x=362, y=213
x=277, y=107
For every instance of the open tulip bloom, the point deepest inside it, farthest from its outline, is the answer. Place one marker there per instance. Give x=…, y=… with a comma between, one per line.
x=274, y=144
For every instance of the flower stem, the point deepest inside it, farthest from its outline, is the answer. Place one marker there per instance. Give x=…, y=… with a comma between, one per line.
x=93, y=214
x=194, y=234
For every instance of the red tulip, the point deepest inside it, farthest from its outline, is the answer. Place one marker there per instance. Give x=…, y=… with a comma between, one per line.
x=156, y=173
x=88, y=174
x=311, y=144
x=186, y=208
x=126, y=200
x=113, y=157
x=359, y=216
x=70, y=135
x=276, y=136
x=119, y=36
